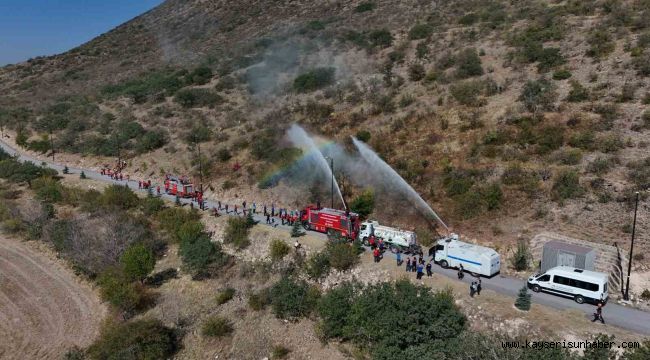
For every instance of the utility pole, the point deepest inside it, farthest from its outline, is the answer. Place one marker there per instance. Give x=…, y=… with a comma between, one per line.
x=629, y=261
x=52, y=143
x=198, y=147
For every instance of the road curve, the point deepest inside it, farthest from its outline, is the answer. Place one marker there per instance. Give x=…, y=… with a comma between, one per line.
x=624, y=317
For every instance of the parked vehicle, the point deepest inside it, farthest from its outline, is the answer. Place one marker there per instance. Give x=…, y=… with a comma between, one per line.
x=394, y=238
x=478, y=260
x=333, y=222
x=581, y=285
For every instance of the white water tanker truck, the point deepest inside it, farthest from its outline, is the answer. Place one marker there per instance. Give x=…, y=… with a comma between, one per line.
x=394, y=238
x=478, y=260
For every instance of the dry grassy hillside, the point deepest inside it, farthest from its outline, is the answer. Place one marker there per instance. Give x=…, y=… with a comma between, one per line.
x=508, y=117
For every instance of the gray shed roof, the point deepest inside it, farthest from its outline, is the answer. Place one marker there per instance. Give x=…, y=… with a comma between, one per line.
x=576, y=249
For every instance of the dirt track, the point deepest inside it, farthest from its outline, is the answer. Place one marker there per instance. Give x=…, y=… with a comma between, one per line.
x=44, y=308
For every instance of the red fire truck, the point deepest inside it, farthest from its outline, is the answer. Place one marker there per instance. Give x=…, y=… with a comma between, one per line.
x=330, y=221
x=179, y=186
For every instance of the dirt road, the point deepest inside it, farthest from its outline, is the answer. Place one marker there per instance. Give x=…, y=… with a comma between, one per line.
x=44, y=308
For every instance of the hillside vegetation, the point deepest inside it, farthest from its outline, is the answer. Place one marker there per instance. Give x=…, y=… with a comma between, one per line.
x=508, y=117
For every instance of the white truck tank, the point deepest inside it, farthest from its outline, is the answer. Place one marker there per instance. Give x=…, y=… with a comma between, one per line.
x=393, y=237
x=479, y=260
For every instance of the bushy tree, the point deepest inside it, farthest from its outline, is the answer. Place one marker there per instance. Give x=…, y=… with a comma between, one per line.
x=135, y=340
x=296, y=229
x=137, y=262
x=216, y=326
x=468, y=64
x=364, y=316
x=523, y=299
x=119, y=196
x=364, y=203
x=566, y=186
x=314, y=79
x=117, y=289
x=278, y=249
x=521, y=258
x=237, y=232
x=293, y=299
x=538, y=95
x=201, y=256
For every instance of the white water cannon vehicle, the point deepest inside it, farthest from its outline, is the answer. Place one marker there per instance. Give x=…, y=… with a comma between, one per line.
x=476, y=259
x=394, y=238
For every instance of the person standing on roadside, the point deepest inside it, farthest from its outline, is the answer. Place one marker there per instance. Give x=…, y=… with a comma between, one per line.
x=408, y=264
x=429, y=273
x=398, y=257
x=420, y=271
x=598, y=315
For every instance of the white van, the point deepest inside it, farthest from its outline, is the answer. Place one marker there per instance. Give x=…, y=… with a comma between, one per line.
x=581, y=285
x=478, y=260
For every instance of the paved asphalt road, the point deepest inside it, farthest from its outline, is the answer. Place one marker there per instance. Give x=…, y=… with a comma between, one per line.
x=615, y=314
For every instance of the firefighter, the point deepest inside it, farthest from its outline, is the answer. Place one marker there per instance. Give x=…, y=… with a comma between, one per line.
x=254, y=208
x=408, y=264
x=398, y=257
x=158, y=190
x=265, y=213
x=429, y=273
x=478, y=287
x=236, y=213
x=121, y=177
x=461, y=274
x=139, y=184
x=273, y=210
x=215, y=212
x=268, y=218
x=371, y=241
x=219, y=204
x=376, y=254
x=200, y=200
x=244, y=206
x=226, y=208
x=381, y=245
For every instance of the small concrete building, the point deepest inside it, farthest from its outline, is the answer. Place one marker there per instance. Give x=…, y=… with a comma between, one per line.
x=558, y=253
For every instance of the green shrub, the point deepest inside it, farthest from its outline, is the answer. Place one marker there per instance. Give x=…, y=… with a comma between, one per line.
x=577, y=93
x=365, y=6
x=201, y=256
x=568, y=156
x=538, y=95
x=600, y=42
x=362, y=317
x=642, y=64
x=599, y=166
x=549, y=58
x=223, y=154
x=259, y=300
x=119, y=291
x=216, y=326
x=137, y=262
x=468, y=19
x=280, y=352
x=119, y=196
x=420, y=31
x=199, y=76
x=197, y=97
x=416, y=72
x=225, y=295
x=492, y=196
x=381, y=38
x=467, y=93
x=314, y=79
x=157, y=83
x=468, y=205
x=293, y=299
x=561, y=74
x=457, y=182
x=610, y=143
x=237, y=232
x=549, y=138
x=584, y=140
x=363, y=135
x=523, y=299
x=566, y=186
x=48, y=189
x=342, y=256
x=278, y=249
x=364, y=203
x=152, y=205
x=521, y=258
x=135, y=340
x=645, y=295
x=468, y=64
x=318, y=265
